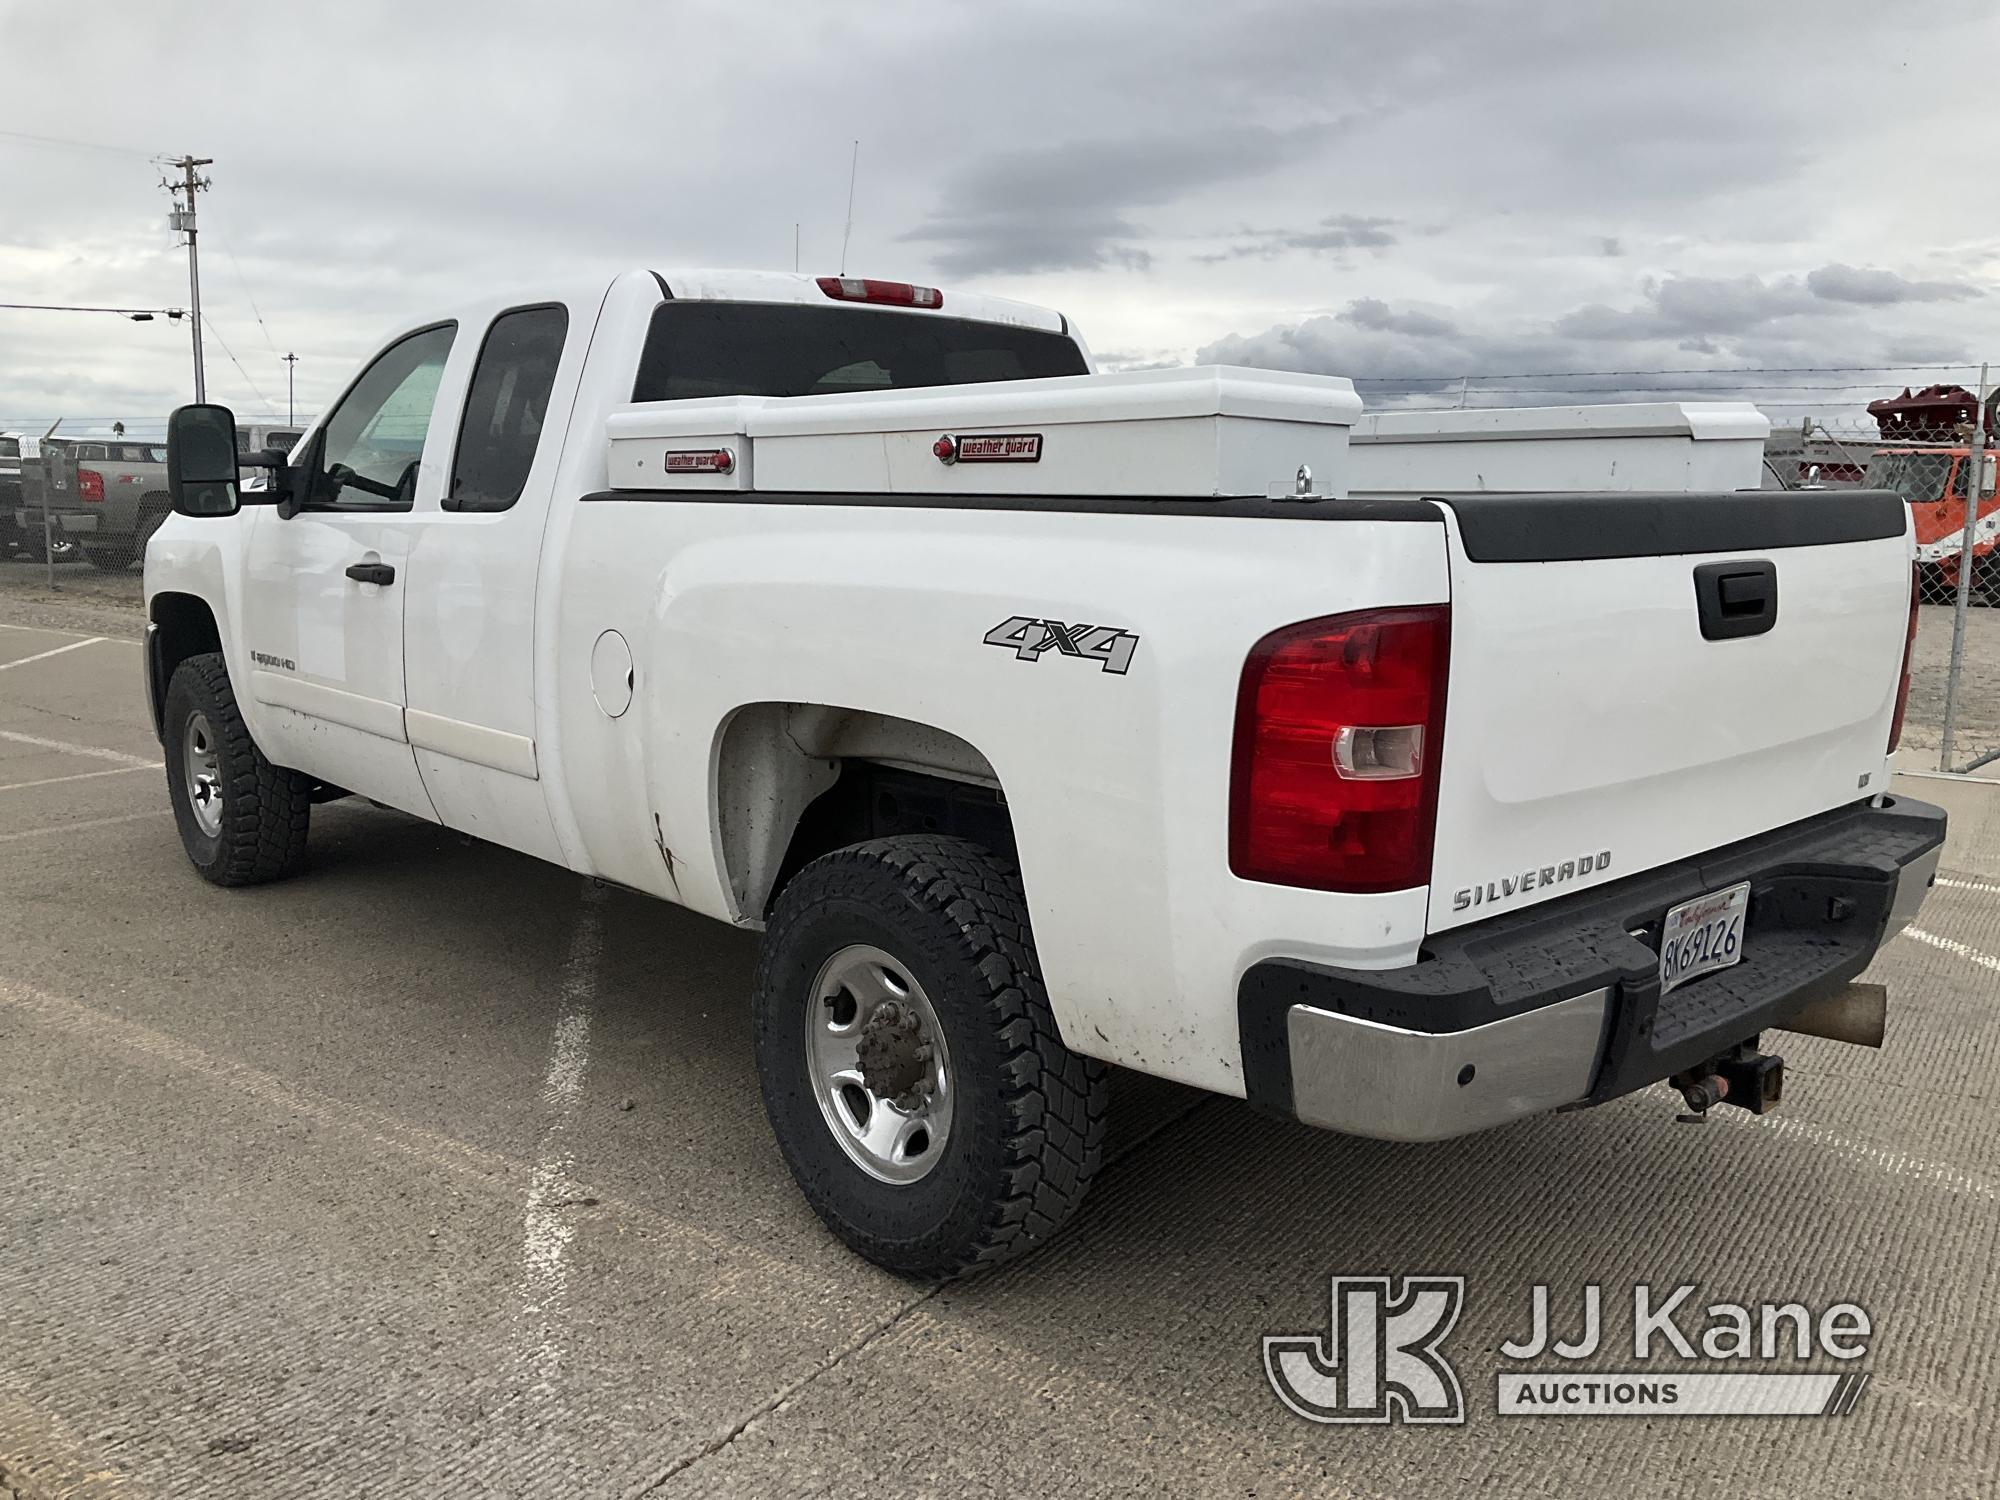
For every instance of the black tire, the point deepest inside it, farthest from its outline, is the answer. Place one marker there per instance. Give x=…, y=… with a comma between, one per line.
x=150, y=521
x=264, y=809
x=109, y=557
x=1027, y=1130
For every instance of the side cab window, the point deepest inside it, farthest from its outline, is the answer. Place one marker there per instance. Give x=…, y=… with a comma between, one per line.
x=371, y=449
x=506, y=407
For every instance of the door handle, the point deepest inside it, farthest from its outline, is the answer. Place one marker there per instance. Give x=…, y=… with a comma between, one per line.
x=1735, y=599
x=375, y=572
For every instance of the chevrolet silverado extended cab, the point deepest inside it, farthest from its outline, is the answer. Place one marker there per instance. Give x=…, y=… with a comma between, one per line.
x=1043, y=720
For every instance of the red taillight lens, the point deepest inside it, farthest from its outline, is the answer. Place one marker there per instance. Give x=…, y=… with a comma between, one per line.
x=1339, y=731
x=889, y=293
x=89, y=485
x=1909, y=646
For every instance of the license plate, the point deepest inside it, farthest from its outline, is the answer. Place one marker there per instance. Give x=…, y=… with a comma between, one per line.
x=1703, y=935
x=76, y=524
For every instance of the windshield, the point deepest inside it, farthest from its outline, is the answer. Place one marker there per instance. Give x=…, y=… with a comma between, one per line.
x=1917, y=477
x=765, y=349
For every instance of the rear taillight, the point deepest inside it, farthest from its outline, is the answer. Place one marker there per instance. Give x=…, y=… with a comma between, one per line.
x=1909, y=646
x=1339, y=731
x=888, y=293
x=89, y=485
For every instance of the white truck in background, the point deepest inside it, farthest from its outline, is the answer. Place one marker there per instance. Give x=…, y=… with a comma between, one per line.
x=1402, y=774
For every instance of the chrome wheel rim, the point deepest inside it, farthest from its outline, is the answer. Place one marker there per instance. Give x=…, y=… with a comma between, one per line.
x=201, y=774
x=879, y=1065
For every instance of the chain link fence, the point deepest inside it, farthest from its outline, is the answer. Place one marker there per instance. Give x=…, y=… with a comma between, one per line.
x=1935, y=447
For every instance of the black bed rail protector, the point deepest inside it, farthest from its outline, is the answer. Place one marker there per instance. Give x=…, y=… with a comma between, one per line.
x=1239, y=507
x=1581, y=527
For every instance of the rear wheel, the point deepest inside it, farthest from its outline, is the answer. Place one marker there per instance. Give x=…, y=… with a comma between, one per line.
x=109, y=557
x=149, y=522
x=911, y=1067
x=242, y=819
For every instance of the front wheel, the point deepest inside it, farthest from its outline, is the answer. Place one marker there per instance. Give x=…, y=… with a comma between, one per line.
x=910, y=1063
x=242, y=819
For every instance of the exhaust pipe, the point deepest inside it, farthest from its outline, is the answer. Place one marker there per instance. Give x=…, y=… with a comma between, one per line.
x=1858, y=1014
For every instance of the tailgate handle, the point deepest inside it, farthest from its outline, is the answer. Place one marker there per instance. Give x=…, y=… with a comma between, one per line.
x=1736, y=598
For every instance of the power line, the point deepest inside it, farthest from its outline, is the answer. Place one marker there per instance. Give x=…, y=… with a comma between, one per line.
x=140, y=313
x=59, y=142
x=266, y=400
x=244, y=282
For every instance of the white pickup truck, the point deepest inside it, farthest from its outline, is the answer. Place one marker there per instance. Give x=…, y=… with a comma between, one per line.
x=1403, y=774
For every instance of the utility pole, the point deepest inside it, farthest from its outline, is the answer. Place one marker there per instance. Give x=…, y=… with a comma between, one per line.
x=291, y=364
x=183, y=221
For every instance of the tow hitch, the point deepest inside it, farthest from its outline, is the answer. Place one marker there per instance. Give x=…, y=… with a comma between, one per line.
x=1742, y=1076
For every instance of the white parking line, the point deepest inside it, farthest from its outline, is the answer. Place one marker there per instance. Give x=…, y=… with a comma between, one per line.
x=1953, y=1180
x=1953, y=946
x=1956, y=883
x=49, y=630
x=136, y=762
x=8, y=666
x=34, y=833
x=22, y=786
x=548, y=1230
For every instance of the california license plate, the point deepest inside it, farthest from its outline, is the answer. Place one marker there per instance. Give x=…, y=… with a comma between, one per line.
x=1703, y=935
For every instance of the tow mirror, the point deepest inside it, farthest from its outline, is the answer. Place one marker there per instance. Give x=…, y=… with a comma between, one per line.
x=202, y=475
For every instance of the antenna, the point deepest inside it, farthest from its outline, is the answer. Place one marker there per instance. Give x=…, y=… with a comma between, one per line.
x=795, y=247
x=853, y=170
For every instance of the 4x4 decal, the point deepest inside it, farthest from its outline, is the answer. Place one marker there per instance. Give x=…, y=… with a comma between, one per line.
x=1108, y=646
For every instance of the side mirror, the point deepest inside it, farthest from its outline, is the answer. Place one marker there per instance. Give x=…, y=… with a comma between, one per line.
x=202, y=476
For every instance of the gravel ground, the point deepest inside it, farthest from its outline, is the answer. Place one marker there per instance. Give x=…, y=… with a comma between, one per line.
x=72, y=596
x=1978, y=726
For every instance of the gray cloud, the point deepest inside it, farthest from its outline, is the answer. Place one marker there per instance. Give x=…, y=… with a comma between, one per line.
x=1691, y=307
x=1168, y=175
x=1371, y=313
x=1335, y=233
x=1064, y=208
x=1400, y=356
x=1838, y=283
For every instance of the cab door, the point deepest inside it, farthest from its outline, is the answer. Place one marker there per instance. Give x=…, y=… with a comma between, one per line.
x=325, y=587
x=469, y=640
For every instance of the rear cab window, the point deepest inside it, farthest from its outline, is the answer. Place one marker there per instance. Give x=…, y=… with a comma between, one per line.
x=696, y=349
x=506, y=407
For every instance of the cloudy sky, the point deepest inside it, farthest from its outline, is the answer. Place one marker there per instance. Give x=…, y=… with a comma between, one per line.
x=1406, y=191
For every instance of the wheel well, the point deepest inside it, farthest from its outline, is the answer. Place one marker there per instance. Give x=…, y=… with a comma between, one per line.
x=795, y=781
x=873, y=801
x=182, y=626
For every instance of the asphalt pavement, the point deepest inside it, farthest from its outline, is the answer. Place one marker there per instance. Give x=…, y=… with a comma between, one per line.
x=440, y=1172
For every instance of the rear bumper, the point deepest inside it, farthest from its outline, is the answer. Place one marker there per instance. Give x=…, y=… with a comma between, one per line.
x=61, y=522
x=1559, y=1004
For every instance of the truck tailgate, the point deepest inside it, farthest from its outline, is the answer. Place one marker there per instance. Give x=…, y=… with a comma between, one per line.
x=1639, y=678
